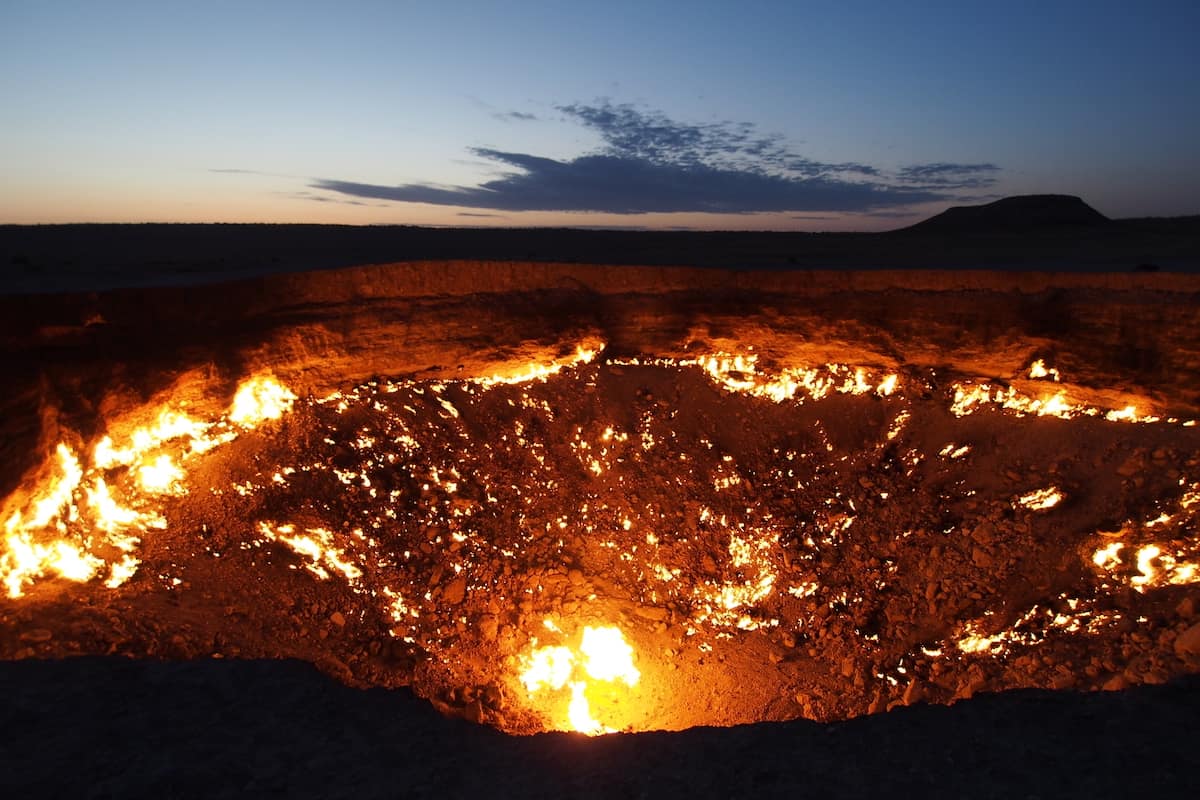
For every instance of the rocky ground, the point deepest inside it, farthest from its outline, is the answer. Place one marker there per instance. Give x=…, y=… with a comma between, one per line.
x=814, y=557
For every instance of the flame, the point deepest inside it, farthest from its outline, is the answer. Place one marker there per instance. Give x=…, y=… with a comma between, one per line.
x=1126, y=414
x=1038, y=369
x=607, y=656
x=724, y=604
x=110, y=515
x=969, y=397
x=740, y=373
x=82, y=511
x=259, y=399
x=160, y=476
x=317, y=545
x=25, y=560
x=584, y=353
x=973, y=641
x=121, y=571
x=55, y=499
x=602, y=655
x=1155, y=566
x=573, y=681
x=579, y=712
x=1109, y=556
x=168, y=426
x=1145, y=565
x=548, y=667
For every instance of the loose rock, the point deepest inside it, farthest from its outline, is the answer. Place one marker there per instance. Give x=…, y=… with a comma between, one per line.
x=1188, y=642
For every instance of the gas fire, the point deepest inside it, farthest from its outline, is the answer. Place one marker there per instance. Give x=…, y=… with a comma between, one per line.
x=602, y=655
x=75, y=528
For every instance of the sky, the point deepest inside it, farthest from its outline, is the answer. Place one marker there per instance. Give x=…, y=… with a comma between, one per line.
x=836, y=115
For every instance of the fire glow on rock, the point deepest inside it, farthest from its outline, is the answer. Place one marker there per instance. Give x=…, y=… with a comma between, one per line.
x=570, y=545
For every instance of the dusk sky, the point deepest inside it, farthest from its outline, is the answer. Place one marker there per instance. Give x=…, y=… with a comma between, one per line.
x=749, y=115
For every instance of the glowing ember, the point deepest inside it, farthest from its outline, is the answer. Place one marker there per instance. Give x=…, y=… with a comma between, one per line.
x=1155, y=566
x=1109, y=556
x=973, y=641
x=1041, y=499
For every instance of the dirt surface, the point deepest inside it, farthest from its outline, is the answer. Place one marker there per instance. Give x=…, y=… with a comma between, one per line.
x=123, y=728
x=58, y=258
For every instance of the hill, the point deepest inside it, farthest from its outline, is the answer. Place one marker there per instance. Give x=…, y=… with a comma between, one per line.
x=1038, y=212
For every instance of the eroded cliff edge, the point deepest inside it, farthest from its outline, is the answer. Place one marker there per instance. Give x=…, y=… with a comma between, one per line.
x=1117, y=338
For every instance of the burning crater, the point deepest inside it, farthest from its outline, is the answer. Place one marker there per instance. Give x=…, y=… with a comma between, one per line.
x=629, y=504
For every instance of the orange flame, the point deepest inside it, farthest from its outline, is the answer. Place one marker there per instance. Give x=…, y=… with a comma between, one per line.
x=259, y=399
x=77, y=512
x=603, y=655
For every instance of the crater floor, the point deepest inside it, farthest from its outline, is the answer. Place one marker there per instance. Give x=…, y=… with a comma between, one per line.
x=771, y=542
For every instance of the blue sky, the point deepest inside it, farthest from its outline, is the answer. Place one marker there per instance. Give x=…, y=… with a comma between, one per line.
x=795, y=115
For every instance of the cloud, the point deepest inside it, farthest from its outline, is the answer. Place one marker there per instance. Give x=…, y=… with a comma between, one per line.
x=514, y=116
x=651, y=163
x=942, y=175
x=319, y=198
x=654, y=137
x=632, y=186
x=475, y=214
x=889, y=214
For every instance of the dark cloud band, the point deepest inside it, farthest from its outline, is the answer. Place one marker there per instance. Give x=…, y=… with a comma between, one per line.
x=651, y=163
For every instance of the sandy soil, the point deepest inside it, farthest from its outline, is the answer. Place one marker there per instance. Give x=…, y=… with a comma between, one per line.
x=50, y=258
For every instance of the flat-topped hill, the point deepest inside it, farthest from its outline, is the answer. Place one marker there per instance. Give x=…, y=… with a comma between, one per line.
x=1032, y=212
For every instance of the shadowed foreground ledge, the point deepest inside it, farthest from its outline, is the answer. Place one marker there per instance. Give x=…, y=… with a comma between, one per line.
x=96, y=727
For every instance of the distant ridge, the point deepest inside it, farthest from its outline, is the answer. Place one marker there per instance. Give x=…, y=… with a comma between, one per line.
x=1023, y=212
